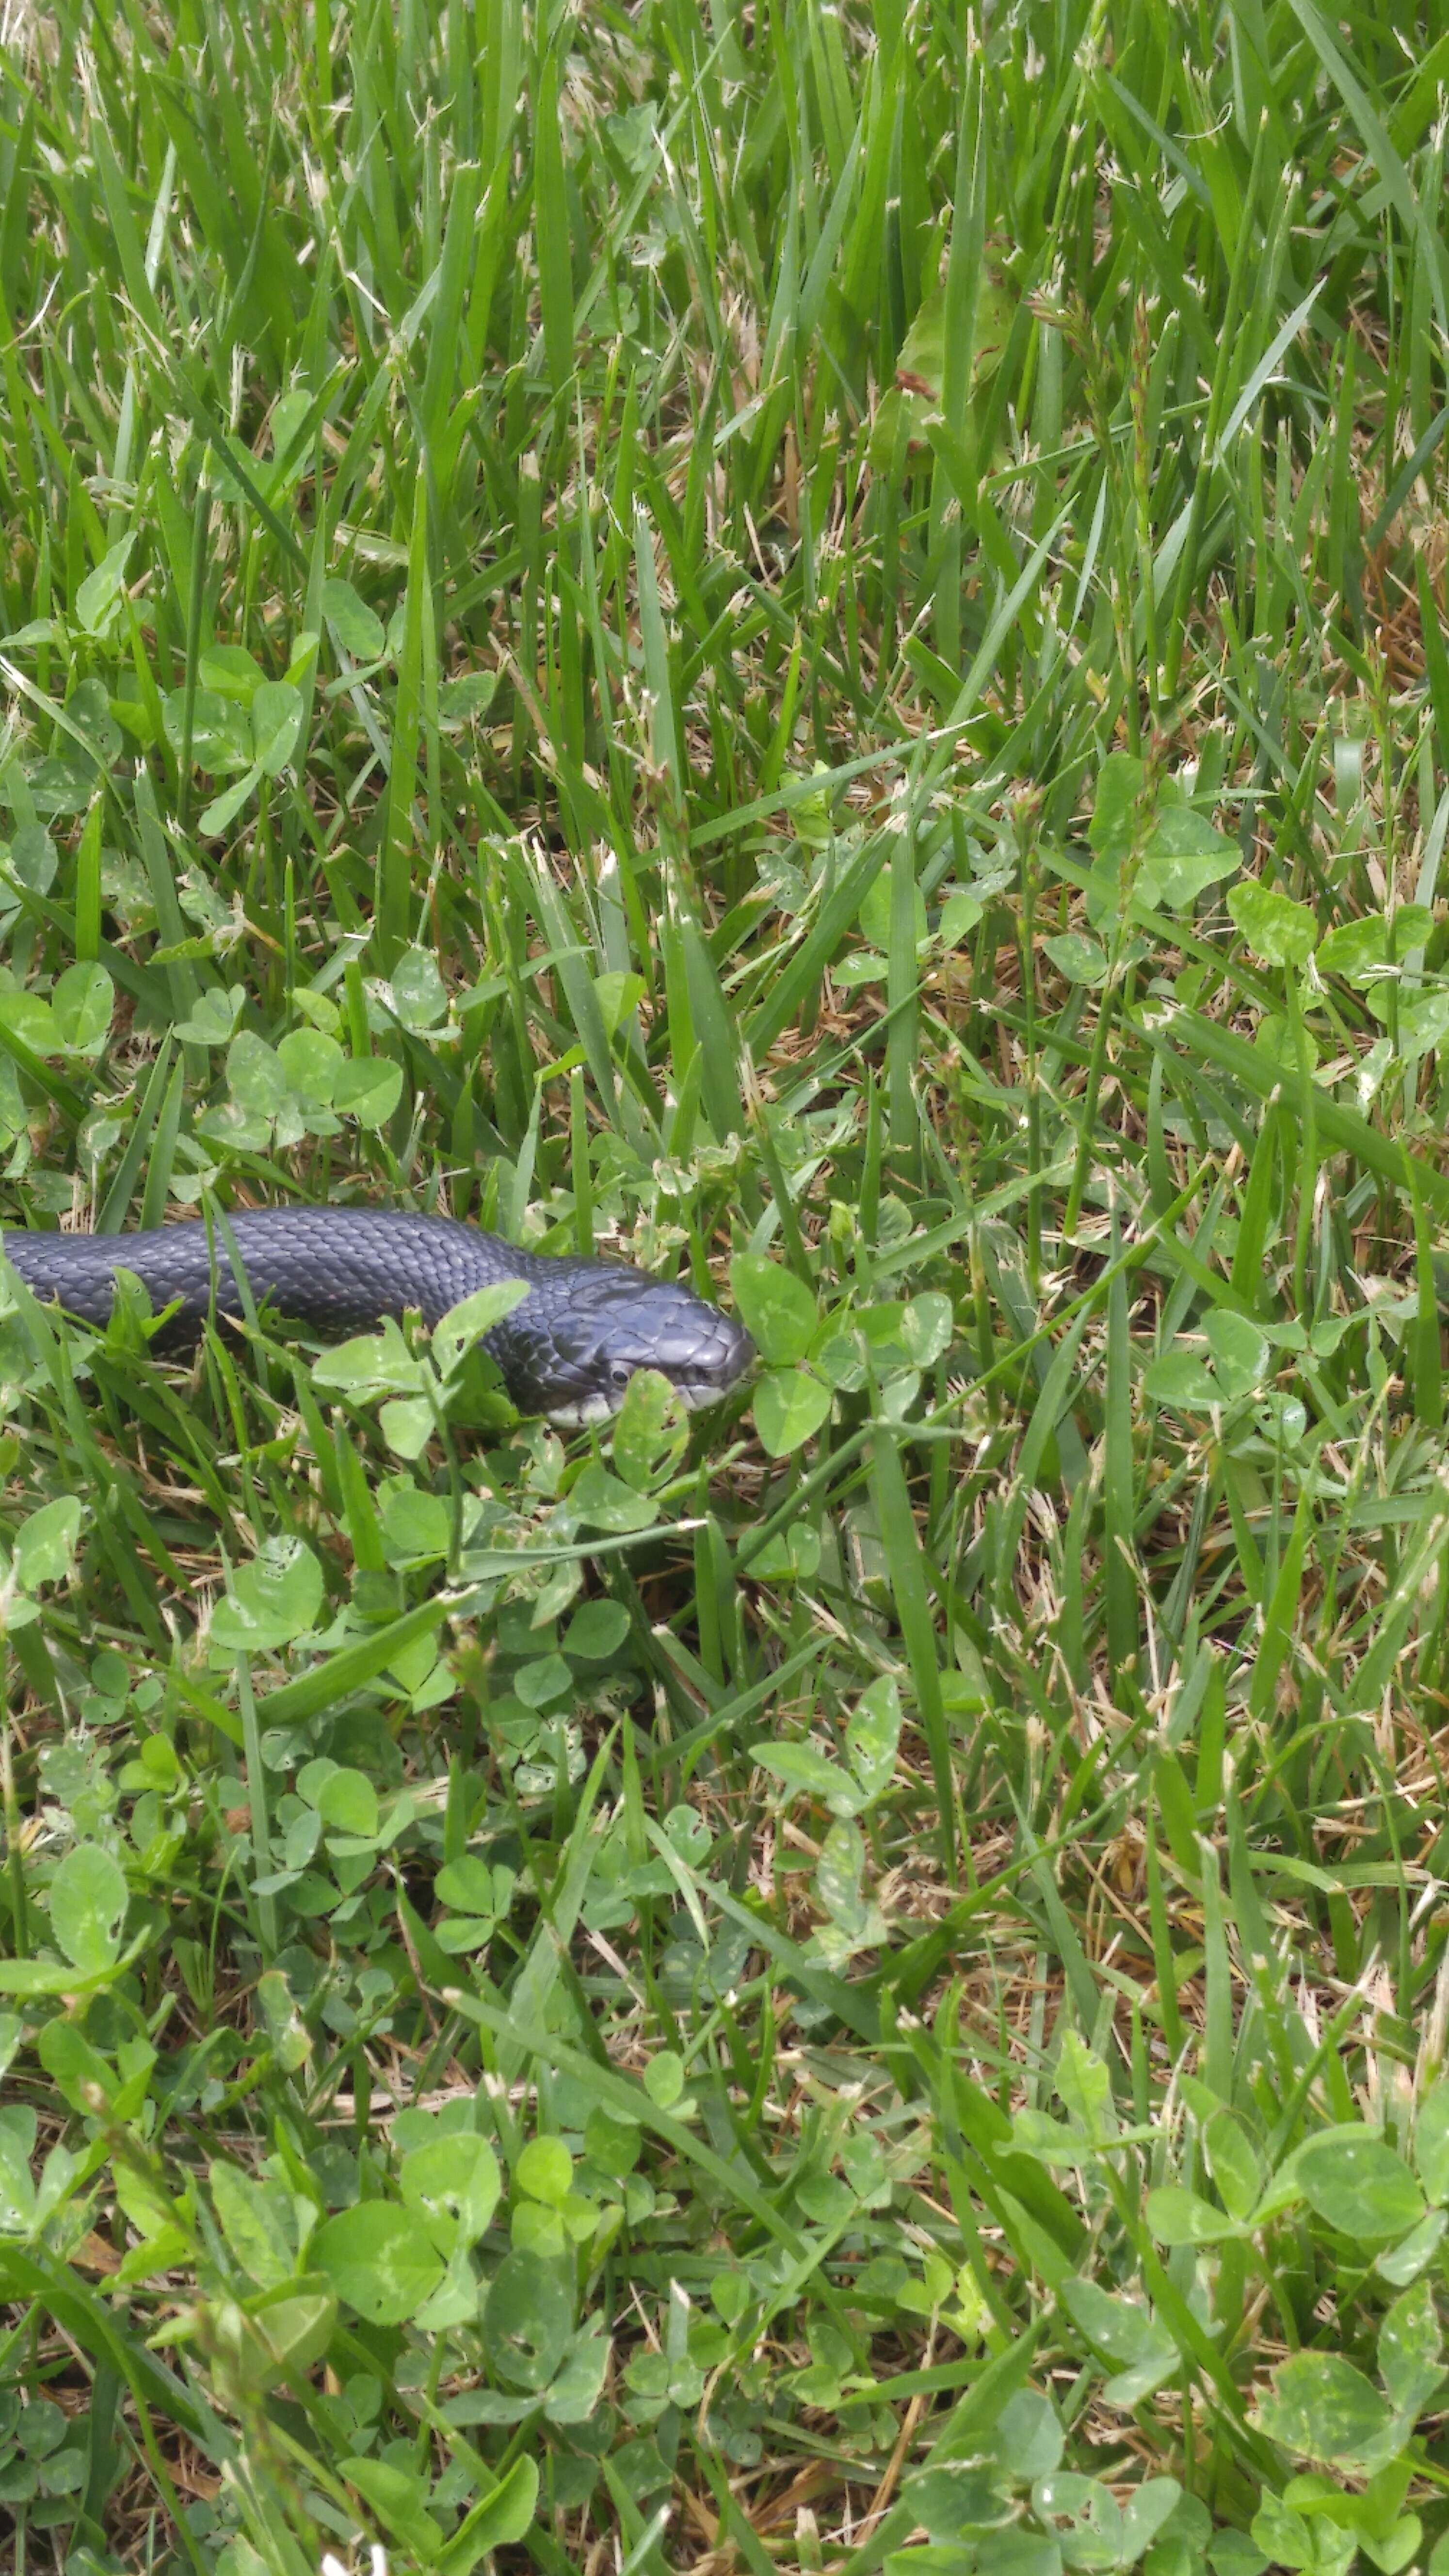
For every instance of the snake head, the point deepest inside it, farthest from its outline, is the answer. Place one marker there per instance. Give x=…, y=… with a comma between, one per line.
x=570, y=1349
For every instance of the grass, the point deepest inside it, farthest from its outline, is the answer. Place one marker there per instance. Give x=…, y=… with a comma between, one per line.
x=806, y=643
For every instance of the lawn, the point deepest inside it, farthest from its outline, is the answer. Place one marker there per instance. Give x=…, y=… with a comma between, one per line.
x=805, y=643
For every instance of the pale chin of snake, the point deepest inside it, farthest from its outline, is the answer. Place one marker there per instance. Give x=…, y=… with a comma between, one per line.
x=591, y=1409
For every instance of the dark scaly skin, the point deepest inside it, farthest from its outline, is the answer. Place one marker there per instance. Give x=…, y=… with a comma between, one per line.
x=568, y=1349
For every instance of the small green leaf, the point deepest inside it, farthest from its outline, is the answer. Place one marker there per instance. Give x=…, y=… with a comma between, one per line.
x=470, y=694
x=87, y=1907
x=347, y=1802
x=379, y=2260
x=1114, y=813
x=28, y=1016
x=776, y=1306
x=358, y=628
x=1085, y=2515
x=807, y=1772
x=527, y=2321
x=791, y=1556
x=1431, y=2142
x=276, y=724
x=597, y=1631
x=853, y=1922
x=960, y=914
x=214, y=1016
x=1354, y=2180
x=651, y=1431
x=1321, y=2408
x=33, y=858
x=1084, y=2087
x=499, y=2521
x=453, y=2184
x=1181, y=1381
x=664, y=2078
x=467, y=1883
x=257, y=2221
x=45, y=1543
x=465, y=1324
x=875, y=915
x=296, y=2322
x=81, y=1005
x=369, y=1364
x=1405, y=2260
x=545, y=2170
x=396, y=2496
x=1178, y=2217
x=255, y=1074
x=419, y=995
x=1359, y=950
x=1123, y=2329
x=99, y=595
x=368, y=1088
x=407, y=1425
x=221, y=734
x=224, y=809
x=1411, y=2350
x=232, y=672
x=600, y=1501
x=1277, y=929
x=790, y=1405
x=577, y=2385
x=926, y=1328
x=416, y=1526
x=1239, y=1351
x=1236, y=2167
x=1080, y=959
x=311, y=1062
x=546, y=1679
x=873, y=1736
x=1183, y=857
x=617, y=995
x=269, y=1602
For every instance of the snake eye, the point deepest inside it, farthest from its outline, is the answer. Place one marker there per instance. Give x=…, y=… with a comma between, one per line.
x=620, y=1372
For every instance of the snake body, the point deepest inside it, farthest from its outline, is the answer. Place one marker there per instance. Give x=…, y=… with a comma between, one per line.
x=568, y=1350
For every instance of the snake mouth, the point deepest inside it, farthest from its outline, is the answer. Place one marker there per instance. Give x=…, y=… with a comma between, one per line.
x=730, y=1360
x=578, y=1413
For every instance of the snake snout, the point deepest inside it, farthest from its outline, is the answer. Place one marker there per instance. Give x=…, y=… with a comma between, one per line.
x=704, y=1356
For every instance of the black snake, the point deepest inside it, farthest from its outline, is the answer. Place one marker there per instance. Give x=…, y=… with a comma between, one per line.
x=568, y=1350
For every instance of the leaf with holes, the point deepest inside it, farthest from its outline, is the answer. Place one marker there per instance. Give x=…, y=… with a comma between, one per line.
x=88, y=1906
x=379, y=2259
x=270, y=1601
x=81, y=1006
x=527, y=2321
x=873, y=1736
x=452, y=2184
